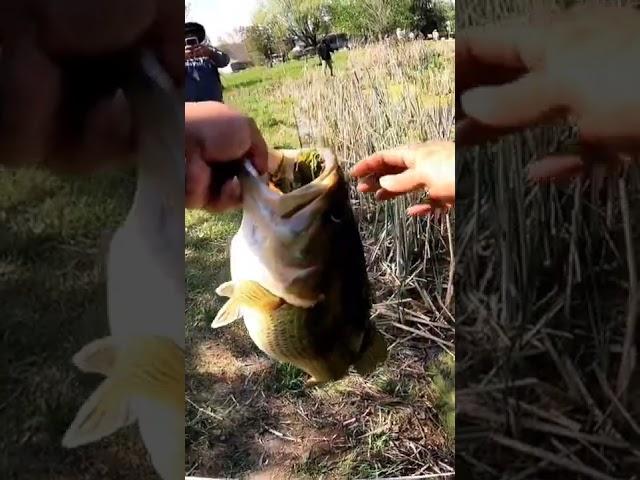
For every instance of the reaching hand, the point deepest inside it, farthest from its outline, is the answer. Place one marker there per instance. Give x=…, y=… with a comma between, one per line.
x=582, y=65
x=429, y=166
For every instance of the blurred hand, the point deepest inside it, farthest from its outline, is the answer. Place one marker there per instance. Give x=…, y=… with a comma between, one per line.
x=59, y=105
x=216, y=135
x=197, y=51
x=428, y=166
x=580, y=65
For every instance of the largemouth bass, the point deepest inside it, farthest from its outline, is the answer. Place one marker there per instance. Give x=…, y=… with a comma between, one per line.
x=298, y=271
x=143, y=358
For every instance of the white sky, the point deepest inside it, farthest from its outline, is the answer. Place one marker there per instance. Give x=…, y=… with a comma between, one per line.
x=221, y=17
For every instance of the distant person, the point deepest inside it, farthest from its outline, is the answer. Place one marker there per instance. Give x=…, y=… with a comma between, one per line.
x=202, y=61
x=324, y=52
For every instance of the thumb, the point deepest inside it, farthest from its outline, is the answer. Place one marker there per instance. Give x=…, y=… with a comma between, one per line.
x=407, y=181
x=524, y=102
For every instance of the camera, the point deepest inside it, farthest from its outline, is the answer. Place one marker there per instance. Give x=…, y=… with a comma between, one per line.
x=191, y=41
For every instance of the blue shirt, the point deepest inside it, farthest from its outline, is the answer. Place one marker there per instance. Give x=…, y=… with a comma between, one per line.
x=202, y=81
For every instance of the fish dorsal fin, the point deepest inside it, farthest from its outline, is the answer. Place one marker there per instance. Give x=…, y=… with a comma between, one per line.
x=98, y=356
x=150, y=367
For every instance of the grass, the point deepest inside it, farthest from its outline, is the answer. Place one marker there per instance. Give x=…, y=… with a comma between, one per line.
x=53, y=303
x=546, y=287
x=253, y=90
x=248, y=416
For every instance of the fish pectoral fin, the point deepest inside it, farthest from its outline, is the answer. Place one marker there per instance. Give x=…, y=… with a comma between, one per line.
x=225, y=290
x=252, y=294
x=98, y=356
x=229, y=313
x=106, y=411
x=245, y=294
x=375, y=354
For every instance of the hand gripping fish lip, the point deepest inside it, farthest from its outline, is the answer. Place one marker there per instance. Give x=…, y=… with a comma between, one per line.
x=280, y=206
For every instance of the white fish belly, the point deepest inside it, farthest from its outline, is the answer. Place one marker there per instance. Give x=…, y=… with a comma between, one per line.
x=245, y=264
x=143, y=300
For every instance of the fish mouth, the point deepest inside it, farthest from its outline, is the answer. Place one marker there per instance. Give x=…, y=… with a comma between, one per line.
x=296, y=179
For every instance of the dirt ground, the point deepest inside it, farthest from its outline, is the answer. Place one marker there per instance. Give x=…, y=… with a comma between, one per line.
x=251, y=417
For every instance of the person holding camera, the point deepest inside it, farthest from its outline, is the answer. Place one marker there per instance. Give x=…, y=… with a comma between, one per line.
x=202, y=61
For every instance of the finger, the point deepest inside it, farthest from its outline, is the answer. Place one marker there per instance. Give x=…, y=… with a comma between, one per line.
x=419, y=210
x=368, y=184
x=30, y=89
x=108, y=142
x=493, y=44
x=493, y=55
x=198, y=179
x=258, y=151
x=383, y=195
x=222, y=134
x=110, y=127
x=230, y=197
x=523, y=103
x=404, y=182
x=78, y=27
x=381, y=163
x=557, y=167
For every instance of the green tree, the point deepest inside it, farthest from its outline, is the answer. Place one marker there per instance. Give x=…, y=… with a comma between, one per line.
x=265, y=40
x=303, y=20
x=259, y=42
x=432, y=14
x=371, y=18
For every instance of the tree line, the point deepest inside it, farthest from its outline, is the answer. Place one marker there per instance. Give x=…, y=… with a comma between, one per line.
x=279, y=25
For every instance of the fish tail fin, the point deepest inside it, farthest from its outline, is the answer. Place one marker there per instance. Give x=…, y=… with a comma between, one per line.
x=106, y=411
x=375, y=354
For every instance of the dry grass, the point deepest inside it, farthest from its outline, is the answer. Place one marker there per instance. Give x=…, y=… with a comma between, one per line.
x=249, y=416
x=546, y=293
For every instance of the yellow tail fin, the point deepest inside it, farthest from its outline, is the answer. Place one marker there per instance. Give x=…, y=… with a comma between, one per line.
x=373, y=356
x=147, y=366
